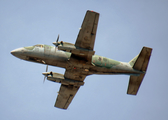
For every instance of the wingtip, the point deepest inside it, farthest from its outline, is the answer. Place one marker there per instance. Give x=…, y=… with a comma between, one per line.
x=92, y=11
x=148, y=48
x=60, y=108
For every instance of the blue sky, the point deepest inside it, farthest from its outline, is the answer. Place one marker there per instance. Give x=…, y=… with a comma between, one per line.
x=124, y=28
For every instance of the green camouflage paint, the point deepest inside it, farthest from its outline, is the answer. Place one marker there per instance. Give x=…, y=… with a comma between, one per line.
x=103, y=61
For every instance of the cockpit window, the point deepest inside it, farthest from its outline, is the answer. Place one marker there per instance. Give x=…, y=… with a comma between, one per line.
x=41, y=46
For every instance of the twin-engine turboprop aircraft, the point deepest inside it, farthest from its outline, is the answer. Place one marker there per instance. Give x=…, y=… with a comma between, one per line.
x=79, y=61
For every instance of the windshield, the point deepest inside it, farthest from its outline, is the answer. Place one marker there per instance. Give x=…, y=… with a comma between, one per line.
x=39, y=45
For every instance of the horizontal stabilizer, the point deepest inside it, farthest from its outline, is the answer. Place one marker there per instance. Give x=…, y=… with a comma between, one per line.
x=140, y=63
x=142, y=60
x=134, y=84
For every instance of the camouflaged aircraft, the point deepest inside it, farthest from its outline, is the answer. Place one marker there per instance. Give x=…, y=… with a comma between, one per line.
x=79, y=61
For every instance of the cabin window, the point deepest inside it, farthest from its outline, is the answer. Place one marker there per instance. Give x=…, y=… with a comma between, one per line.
x=99, y=58
x=105, y=59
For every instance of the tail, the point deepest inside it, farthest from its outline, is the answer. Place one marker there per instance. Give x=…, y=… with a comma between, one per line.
x=140, y=62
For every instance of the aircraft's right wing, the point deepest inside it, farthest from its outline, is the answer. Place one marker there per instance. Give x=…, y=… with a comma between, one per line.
x=65, y=96
x=67, y=92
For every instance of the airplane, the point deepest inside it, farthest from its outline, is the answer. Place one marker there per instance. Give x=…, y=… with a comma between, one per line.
x=79, y=60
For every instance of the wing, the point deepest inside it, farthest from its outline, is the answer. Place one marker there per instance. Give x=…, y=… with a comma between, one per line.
x=75, y=74
x=65, y=96
x=87, y=33
x=86, y=37
x=67, y=92
x=82, y=55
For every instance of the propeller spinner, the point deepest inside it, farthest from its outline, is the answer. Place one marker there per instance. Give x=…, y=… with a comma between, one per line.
x=47, y=73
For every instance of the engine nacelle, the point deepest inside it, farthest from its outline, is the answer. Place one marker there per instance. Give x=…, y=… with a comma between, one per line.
x=64, y=44
x=56, y=77
x=69, y=47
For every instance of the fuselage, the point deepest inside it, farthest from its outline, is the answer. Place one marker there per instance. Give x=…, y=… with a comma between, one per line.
x=50, y=55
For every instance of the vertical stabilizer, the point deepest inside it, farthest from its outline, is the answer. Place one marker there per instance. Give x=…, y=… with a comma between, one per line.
x=132, y=62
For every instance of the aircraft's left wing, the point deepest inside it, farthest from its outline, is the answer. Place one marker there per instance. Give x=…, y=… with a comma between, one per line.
x=67, y=92
x=87, y=33
x=83, y=48
x=86, y=37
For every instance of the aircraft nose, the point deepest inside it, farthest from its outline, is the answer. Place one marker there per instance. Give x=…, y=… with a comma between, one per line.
x=18, y=51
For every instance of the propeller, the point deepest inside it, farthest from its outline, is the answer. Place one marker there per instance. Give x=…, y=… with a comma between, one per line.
x=57, y=40
x=46, y=68
x=56, y=43
x=46, y=74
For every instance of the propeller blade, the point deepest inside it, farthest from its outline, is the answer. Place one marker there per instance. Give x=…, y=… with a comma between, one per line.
x=57, y=43
x=46, y=68
x=44, y=79
x=45, y=74
x=57, y=39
